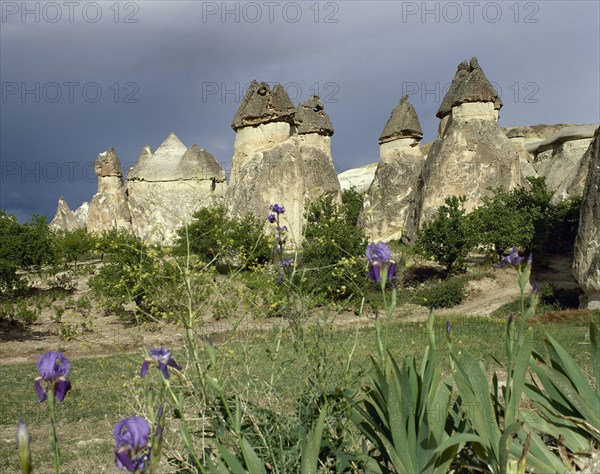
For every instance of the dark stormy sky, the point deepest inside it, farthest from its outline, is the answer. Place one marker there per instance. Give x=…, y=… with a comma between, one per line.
x=78, y=77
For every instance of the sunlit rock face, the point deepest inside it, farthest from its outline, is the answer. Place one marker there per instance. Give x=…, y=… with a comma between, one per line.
x=108, y=208
x=313, y=131
x=473, y=155
x=562, y=160
x=359, y=179
x=586, y=263
x=166, y=187
x=279, y=159
x=65, y=218
x=389, y=206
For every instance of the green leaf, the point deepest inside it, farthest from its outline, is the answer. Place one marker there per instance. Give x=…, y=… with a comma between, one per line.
x=253, y=462
x=571, y=369
x=562, y=383
x=595, y=343
x=230, y=459
x=312, y=446
x=505, y=441
x=518, y=381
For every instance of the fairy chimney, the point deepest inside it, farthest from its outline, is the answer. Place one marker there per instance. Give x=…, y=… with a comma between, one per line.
x=472, y=156
x=389, y=205
x=108, y=208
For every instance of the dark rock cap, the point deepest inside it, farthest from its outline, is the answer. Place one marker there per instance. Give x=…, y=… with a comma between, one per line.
x=403, y=123
x=263, y=105
x=469, y=85
x=312, y=118
x=108, y=164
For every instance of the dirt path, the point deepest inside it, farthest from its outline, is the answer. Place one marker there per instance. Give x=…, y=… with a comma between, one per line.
x=107, y=335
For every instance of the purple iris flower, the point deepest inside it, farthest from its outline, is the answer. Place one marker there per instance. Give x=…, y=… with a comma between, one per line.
x=272, y=218
x=380, y=256
x=53, y=369
x=277, y=209
x=512, y=258
x=163, y=358
x=131, y=435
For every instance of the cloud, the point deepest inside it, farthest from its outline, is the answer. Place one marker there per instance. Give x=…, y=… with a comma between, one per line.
x=182, y=67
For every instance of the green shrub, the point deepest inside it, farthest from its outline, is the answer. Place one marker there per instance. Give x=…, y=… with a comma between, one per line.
x=448, y=238
x=333, y=250
x=128, y=274
x=214, y=236
x=500, y=226
x=353, y=203
x=22, y=246
x=564, y=225
x=528, y=219
x=71, y=246
x=445, y=294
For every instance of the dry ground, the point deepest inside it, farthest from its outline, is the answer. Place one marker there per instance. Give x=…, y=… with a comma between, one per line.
x=108, y=334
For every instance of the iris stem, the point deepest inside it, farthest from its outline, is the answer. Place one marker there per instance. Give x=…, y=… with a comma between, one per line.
x=53, y=437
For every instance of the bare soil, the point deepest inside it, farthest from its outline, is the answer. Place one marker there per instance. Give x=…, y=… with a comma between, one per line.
x=105, y=334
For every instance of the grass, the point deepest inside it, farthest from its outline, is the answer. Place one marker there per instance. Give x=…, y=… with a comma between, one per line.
x=251, y=364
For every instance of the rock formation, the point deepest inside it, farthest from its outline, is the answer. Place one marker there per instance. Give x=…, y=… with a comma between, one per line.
x=358, y=178
x=81, y=214
x=469, y=86
x=314, y=130
x=517, y=138
x=472, y=155
x=560, y=154
x=574, y=183
x=108, y=208
x=65, y=218
x=272, y=153
x=165, y=188
x=389, y=205
x=586, y=263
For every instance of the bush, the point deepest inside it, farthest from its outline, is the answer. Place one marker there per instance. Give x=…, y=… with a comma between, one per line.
x=445, y=294
x=499, y=225
x=528, y=219
x=22, y=246
x=564, y=225
x=353, y=203
x=214, y=236
x=447, y=239
x=129, y=273
x=333, y=249
x=71, y=246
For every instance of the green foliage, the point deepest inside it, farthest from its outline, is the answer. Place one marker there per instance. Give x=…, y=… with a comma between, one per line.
x=353, y=203
x=448, y=238
x=526, y=218
x=523, y=217
x=128, y=274
x=445, y=294
x=71, y=246
x=333, y=249
x=20, y=311
x=500, y=226
x=568, y=407
x=564, y=224
x=22, y=246
x=405, y=415
x=215, y=237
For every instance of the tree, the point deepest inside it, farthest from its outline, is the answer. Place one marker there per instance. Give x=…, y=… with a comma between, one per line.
x=211, y=234
x=333, y=247
x=22, y=246
x=448, y=238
